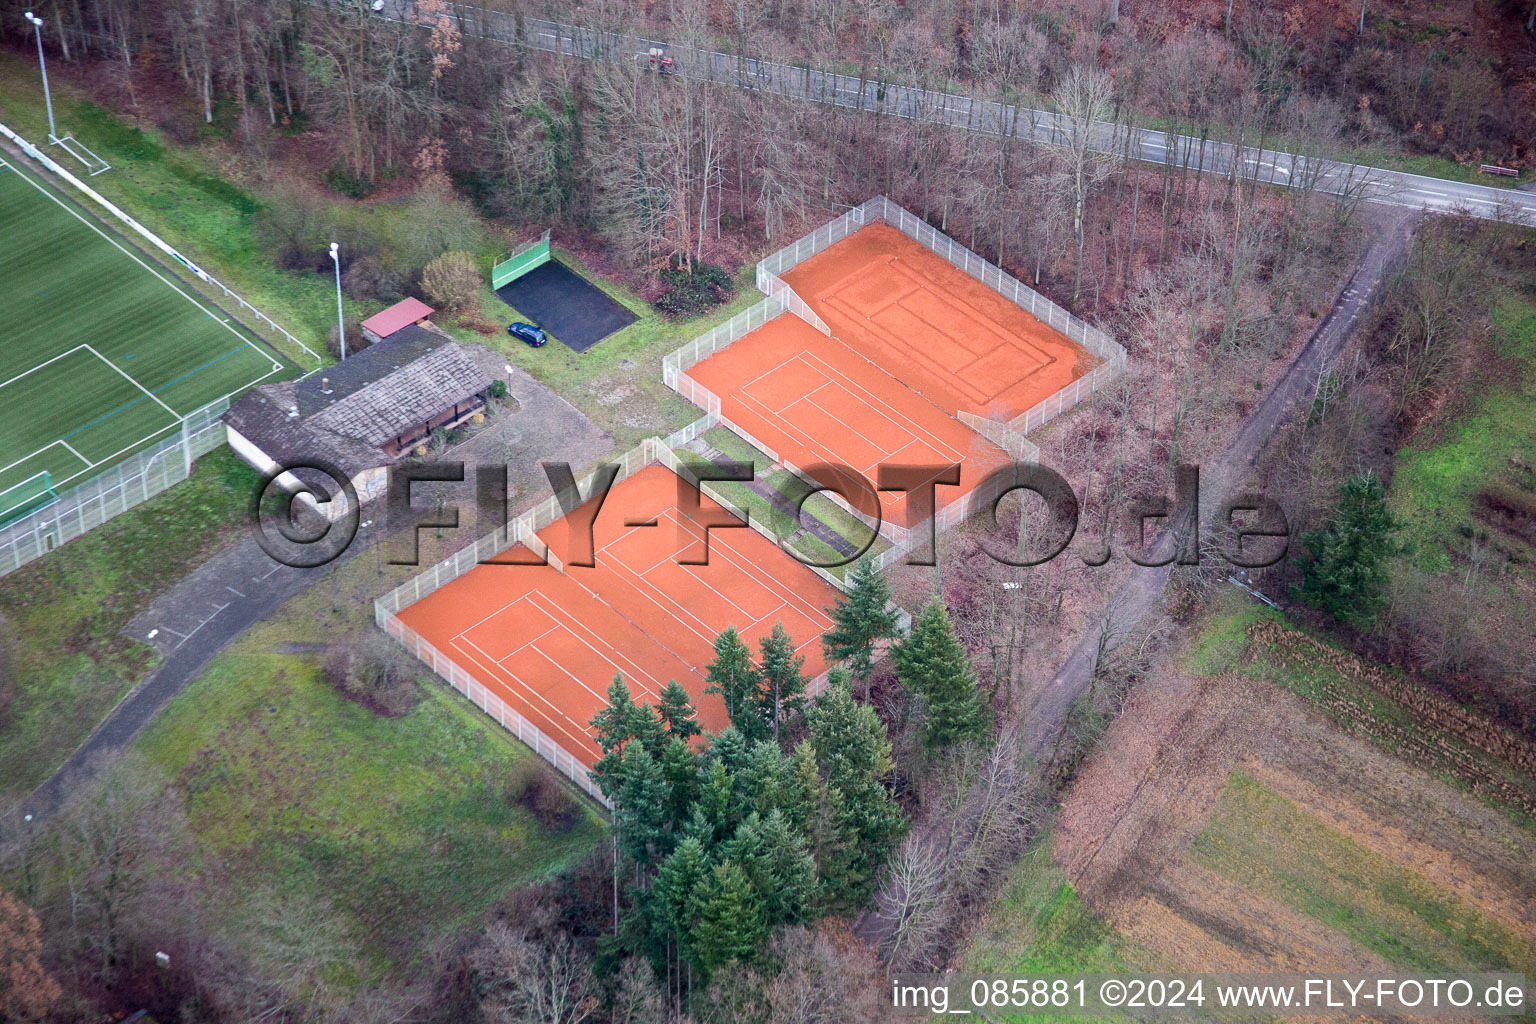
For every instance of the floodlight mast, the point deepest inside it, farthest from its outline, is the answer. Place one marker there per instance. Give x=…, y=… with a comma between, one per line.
x=341, y=326
x=37, y=25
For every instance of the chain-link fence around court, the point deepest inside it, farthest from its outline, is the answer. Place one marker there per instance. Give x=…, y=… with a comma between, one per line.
x=781, y=298
x=523, y=530
x=526, y=732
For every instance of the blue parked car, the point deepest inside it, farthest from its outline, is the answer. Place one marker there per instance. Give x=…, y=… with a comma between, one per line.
x=527, y=332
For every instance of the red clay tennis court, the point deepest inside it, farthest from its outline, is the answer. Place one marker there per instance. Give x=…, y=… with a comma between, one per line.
x=934, y=327
x=548, y=642
x=814, y=400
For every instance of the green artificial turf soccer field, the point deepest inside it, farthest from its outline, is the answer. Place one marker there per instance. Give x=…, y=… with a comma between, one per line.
x=101, y=353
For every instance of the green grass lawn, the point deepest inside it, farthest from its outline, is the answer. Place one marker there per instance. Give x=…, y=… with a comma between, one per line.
x=1039, y=925
x=64, y=614
x=1270, y=846
x=1433, y=487
x=401, y=827
x=108, y=351
x=175, y=193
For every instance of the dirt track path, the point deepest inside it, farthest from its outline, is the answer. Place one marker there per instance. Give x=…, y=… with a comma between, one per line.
x=1139, y=595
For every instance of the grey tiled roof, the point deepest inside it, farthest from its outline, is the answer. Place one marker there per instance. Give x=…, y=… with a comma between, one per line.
x=408, y=396
x=346, y=412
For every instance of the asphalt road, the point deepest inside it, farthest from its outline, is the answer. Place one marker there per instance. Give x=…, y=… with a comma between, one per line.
x=1397, y=188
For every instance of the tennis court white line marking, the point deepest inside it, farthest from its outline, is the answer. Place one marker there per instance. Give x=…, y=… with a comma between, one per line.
x=804, y=437
x=644, y=589
x=745, y=567
x=807, y=440
x=174, y=287
x=794, y=399
x=859, y=432
x=73, y=452
x=948, y=294
x=498, y=611
x=832, y=374
x=554, y=611
x=663, y=601
x=513, y=680
x=647, y=591
x=600, y=697
x=554, y=718
x=873, y=400
x=787, y=597
x=568, y=674
x=528, y=643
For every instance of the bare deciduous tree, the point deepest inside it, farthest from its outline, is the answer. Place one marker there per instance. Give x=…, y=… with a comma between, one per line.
x=531, y=982
x=1085, y=99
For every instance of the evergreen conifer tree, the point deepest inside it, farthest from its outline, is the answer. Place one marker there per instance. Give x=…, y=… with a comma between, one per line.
x=712, y=819
x=1345, y=571
x=674, y=897
x=680, y=768
x=854, y=755
x=677, y=712
x=759, y=779
x=646, y=728
x=614, y=726
x=860, y=619
x=736, y=679
x=614, y=723
x=783, y=687
x=775, y=857
x=932, y=663
x=639, y=813
x=730, y=923
x=800, y=790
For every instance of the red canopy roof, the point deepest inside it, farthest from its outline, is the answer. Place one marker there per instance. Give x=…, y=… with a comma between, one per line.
x=401, y=314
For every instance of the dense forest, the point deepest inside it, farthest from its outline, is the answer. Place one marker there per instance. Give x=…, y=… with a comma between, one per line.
x=684, y=173
x=772, y=872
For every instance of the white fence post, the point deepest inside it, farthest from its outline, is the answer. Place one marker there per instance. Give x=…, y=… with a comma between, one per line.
x=113, y=492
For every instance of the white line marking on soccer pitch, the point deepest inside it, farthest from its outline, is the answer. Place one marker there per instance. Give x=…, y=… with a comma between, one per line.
x=40, y=451
x=89, y=465
x=174, y=286
x=147, y=393
x=39, y=366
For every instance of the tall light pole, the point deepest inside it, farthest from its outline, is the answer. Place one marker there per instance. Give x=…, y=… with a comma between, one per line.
x=37, y=25
x=341, y=327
